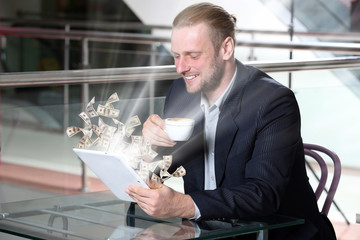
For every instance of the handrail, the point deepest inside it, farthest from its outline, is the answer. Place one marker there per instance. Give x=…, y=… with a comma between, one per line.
x=155, y=73
x=350, y=48
x=349, y=36
x=82, y=34
x=89, y=24
x=116, y=26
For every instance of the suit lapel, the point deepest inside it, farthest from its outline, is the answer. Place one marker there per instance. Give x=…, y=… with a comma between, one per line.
x=225, y=133
x=227, y=127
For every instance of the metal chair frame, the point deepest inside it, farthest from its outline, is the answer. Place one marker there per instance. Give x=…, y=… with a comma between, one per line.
x=313, y=151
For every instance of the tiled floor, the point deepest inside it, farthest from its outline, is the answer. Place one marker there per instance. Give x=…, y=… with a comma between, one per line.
x=347, y=232
x=46, y=180
x=18, y=185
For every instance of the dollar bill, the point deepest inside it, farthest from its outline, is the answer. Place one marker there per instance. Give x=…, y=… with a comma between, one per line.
x=151, y=153
x=179, y=172
x=136, y=140
x=105, y=127
x=109, y=105
x=96, y=129
x=129, y=131
x=107, y=136
x=102, y=125
x=135, y=147
x=86, y=118
x=90, y=108
x=167, y=162
x=107, y=112
x=104, y=143
x=97, y=142
x=147, y=152
x=143, y=166
x=164, y=175
x=71, y=131
x=84, y=142
x=87, y=132
x=130, y=125
x=155, y=181
x=133, y=122
x=113, y=98
x=120, y=125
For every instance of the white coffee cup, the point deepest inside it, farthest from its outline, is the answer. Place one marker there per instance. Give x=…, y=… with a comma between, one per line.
x=179, y=129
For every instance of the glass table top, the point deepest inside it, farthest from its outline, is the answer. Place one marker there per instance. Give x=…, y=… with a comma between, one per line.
x=100, y=215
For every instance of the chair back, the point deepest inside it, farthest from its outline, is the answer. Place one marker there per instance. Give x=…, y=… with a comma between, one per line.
x=313, y=150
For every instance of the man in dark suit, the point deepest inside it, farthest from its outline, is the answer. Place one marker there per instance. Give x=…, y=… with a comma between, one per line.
x=245, y=158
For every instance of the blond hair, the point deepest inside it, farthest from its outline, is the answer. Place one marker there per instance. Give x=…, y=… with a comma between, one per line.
x=220, y=22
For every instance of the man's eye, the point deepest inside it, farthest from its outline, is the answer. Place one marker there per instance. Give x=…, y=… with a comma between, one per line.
x=194, y=56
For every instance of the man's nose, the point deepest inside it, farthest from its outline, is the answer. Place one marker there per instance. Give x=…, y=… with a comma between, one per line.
x=182, y=66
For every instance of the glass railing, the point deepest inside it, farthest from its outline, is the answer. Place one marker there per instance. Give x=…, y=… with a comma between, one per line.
x=37, y=107
x=33, y=128
x=54, y=49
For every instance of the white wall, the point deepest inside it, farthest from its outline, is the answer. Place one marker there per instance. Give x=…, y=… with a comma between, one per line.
x=250, y=13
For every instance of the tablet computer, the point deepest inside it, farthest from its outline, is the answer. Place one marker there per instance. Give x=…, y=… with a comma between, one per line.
x=113, y=171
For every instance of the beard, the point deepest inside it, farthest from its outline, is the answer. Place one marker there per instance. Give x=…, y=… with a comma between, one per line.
x=212, y=82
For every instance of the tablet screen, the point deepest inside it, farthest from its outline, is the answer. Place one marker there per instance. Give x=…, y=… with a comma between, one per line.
x=113, y=171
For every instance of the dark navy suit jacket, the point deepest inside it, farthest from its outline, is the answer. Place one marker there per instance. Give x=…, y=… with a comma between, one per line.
x=259, y=157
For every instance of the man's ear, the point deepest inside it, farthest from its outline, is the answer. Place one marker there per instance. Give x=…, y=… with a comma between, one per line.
x=227, y=48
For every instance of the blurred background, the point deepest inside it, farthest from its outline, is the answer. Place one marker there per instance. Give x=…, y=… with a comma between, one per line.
x=58, y=54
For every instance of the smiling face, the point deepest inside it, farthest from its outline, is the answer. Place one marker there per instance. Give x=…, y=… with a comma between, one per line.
x=196, y=59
